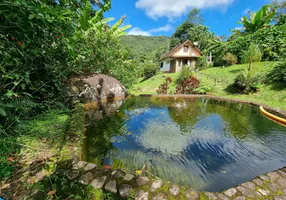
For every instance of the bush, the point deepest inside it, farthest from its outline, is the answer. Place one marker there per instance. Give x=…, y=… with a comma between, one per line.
x=202, y=63
x=272, y=40
x=189, y=86
x=247, y=82
x=230, y=59
x=150, y=69
x=203, y=89
x=184, y=74
x=278, y=74
x=163, y=88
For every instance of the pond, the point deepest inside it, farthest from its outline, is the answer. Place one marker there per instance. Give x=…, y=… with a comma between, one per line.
x=207, y=144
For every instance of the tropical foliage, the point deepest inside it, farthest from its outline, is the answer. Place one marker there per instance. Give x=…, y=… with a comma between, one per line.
x=188, y=86
x=163, y=88
x=278, y=74
x=193, y=29
x=252, y=54
x=43, y=43
x=247, y=82
x=258, y=20
x=230, y=59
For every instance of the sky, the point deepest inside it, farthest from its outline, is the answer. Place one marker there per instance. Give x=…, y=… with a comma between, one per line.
x=162, y=17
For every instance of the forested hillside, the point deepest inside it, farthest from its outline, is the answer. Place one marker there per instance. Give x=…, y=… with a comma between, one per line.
x=143, y=45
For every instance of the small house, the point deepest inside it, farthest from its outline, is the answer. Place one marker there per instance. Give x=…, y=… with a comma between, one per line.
x=184, y=54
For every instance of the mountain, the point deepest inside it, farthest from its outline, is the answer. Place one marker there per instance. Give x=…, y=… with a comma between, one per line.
x=145, y=46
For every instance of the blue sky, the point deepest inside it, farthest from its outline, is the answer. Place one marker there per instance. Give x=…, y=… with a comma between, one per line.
x=162, y=17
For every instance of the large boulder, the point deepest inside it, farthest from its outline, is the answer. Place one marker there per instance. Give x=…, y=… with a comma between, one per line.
x=96, y=87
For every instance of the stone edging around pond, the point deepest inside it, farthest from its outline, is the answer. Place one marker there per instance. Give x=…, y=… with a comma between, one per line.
x=269, y=186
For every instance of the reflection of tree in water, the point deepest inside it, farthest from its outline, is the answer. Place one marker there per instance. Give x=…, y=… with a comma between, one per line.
x=103, y=123
x=186, y=114
x=240, y=119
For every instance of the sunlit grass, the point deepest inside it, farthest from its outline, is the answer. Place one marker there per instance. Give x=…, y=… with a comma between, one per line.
x=269, y=94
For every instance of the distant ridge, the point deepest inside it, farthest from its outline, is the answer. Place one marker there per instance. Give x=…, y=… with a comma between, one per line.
x=144, y=45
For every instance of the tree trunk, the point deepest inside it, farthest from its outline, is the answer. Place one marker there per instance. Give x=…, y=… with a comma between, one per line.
x=250, y=66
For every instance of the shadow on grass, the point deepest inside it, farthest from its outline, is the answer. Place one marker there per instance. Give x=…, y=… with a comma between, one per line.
x=234, y=71
x=231, y=89
x=277, y=86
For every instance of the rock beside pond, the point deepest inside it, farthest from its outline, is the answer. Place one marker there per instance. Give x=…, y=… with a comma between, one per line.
x=128, y=177
x=231, y=192
x=111, y=187
x=98, y=182
x=142, y=180
x=86, y=178
x=96, y=87
x=161, y=196
x=192, y=194
x=174, y=190
x=124, y=190
x=141, y=195
x=156, y=185
x=79, y=164
x=117, y=174
x=72, y=175
x=89, y=167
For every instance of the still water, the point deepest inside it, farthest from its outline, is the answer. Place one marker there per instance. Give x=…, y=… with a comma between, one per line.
x=207, y=144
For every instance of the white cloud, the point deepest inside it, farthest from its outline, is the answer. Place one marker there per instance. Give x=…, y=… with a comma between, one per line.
x=173, y=9
x=139, y=31
x=161, y=29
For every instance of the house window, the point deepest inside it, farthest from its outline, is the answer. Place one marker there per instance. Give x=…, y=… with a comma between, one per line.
x=186, y=49
x=162, y=65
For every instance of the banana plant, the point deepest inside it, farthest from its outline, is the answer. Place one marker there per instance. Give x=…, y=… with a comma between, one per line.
x=258, y=20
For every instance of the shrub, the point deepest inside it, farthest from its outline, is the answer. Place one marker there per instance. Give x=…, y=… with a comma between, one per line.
x=252, y=54
x=278, y=74
x=163, y=88
x=272, y=40
x=203, y=90
x=230, y=59
x=150, y=69
x=247, y=82
x=202, y=63
x=184, y=74
x=188, y=86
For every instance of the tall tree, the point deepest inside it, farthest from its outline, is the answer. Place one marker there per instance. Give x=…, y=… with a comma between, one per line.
x=192, y=29
x=280, y=17
x=195, y=17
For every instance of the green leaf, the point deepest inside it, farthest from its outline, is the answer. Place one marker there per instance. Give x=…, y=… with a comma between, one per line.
x=2, y=112
x=32, y=16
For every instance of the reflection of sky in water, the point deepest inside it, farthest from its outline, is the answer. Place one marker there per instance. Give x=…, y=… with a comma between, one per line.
x=205, y=154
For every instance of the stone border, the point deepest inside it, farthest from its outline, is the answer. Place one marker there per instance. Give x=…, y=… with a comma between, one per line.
x=269, y=186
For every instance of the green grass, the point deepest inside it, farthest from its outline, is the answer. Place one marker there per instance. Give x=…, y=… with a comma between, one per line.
x=150, y=85
x=270, y=94
x=38, y=137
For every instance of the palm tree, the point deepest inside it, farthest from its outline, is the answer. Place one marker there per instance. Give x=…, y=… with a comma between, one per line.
x=258, y=20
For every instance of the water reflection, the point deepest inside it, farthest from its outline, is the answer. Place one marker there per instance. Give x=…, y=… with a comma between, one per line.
x=208, y=144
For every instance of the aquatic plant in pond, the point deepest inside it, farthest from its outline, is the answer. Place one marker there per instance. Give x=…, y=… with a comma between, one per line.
x=207, y=144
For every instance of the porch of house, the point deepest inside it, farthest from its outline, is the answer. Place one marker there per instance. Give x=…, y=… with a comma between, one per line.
x=177, y=63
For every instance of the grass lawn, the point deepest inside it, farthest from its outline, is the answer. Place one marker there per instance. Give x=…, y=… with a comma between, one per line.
x=270, y=94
